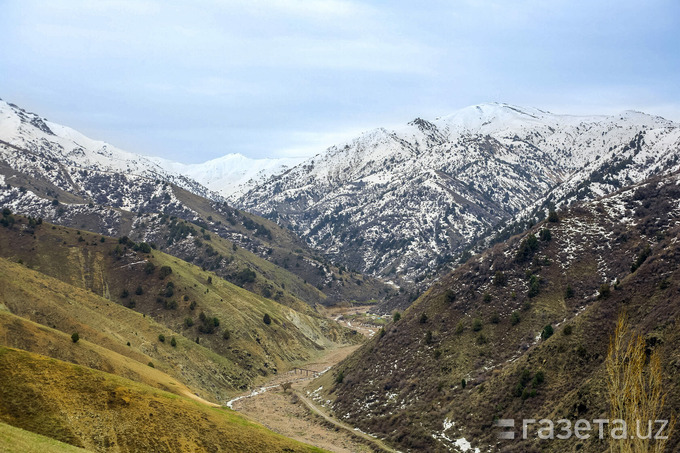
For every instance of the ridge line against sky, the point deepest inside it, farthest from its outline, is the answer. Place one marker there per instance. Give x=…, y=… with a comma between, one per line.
x=192, y=81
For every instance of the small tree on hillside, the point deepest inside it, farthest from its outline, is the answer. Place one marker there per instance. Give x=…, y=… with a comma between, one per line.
x=75, y=337
x=526, y=248
x=149, y=268
x=636, y=391
x=604, y=292
x=534, y=286
x=164, y=272
x=547, y=332
x=476, y=324
x=267, y=319
x=545, y=234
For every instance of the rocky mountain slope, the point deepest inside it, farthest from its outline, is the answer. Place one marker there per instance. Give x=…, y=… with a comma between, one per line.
x=401, y=203
x=66, y=156
x=55, y=173
x=521, y=331
x=69, y=148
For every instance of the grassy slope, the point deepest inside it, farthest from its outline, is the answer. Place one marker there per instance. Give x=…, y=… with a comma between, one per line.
x=17, y=440
x=253, y=350
x=68, y=309
x=288, y=259
x=218, y=255
x=20, y=333
x=103, y=412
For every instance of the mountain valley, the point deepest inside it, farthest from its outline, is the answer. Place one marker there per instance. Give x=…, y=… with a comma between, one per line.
x=429, y=280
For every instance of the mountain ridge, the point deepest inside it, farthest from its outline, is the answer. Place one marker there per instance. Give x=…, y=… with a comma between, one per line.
x=410, y=200
x=521, y=330
x=215, y=178
x=104, y=190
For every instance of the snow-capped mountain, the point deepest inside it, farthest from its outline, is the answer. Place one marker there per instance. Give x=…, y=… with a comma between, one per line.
x=230, y=175
x=52, y=172
x=404, y=201
x=66, y=153
x=222, y=177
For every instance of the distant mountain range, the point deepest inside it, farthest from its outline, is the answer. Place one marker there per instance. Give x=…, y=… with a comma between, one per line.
x=56, y=173
x=224, y=176
x=402, y=203
x=232, y=174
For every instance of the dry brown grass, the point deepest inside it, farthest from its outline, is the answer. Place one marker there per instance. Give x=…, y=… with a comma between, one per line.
x=636, y=392
x=103, y=412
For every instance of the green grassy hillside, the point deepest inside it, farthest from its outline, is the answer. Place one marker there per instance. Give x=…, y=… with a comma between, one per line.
x=113, y=294
x=103, y=412
x=305, y=273
x=67, y=309
x=20, y=333
x=17, y=440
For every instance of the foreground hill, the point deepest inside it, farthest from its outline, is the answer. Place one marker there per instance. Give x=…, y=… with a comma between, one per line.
x=17, y=440
x=103, y=412
x=124, y=296
x=402, y=203
x=479, y=345
x=52, y=172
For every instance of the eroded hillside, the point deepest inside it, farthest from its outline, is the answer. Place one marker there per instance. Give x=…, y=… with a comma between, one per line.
x=477, y=347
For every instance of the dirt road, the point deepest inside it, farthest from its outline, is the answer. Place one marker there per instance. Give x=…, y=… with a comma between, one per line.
x=290, y=413
x=341, y=425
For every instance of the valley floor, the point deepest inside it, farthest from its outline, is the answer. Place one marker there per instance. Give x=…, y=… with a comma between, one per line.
x=289, y=413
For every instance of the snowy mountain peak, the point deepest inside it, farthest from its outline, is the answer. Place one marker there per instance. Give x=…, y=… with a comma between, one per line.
x=401, y=201
x=225, y=175
x=35, y=134
x=473, y=117
x=232, y=174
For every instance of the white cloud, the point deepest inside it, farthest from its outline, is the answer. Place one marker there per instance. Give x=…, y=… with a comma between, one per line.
x=249, y=75
x=312, y=8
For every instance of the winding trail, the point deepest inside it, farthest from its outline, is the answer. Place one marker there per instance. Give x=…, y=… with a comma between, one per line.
x=292, y=413
x=320, y=367
x=337, y=423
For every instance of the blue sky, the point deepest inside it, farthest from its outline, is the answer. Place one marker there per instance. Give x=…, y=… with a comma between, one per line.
x=194, y=80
